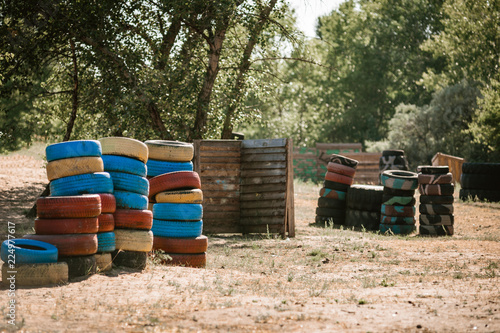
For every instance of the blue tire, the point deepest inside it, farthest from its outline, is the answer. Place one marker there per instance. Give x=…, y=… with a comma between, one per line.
x=130, y=183
x=156, y=168
x=124, y=164
x=106, y=242
x=177, y=229
x=70, y=149
x=90, y=183
x=398, y=229
x=27, y=251
x=178, y=211
x=130, y=200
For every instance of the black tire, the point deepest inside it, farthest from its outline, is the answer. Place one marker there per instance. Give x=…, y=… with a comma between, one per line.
x=331, y=203
x=388, y=199
x=397, y=220
x=365, y=197
x=398, y=211
x=335, y=158
x=393, y=152
x=433, y=170
x=131, y=259
x=399, y=179
x=435, y=209
x=436, y=199
x=393, y=160
x=480, y=181
x=80, y=266
x=335, y=186
x=330, y=220
x=481, y=195
x=399, y=193
x=436, y=219
x=31, y=275
x=481, y=168
x=437, y=189
x=436, y=230
x=360, y=219
x=330, y=212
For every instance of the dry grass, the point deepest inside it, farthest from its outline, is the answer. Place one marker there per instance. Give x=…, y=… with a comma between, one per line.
x=324, y=279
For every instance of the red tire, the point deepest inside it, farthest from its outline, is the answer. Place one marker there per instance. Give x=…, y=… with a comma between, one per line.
x=133, y=219
x=88, y=225
x=188, y=260
x=341, y=169
x=70, y=245
x=69, y=207
x=181, y=245
x=108, y=203
x=106, y=222
x=174, y=181
x=338, y=178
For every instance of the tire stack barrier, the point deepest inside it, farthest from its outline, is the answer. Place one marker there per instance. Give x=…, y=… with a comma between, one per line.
x=393, y=159
x=69, y=217
x=125, y=160
x=332, y=201
x=31, y=263
x=177, y=209
x=398, y=202
x=363, y=207
x=436, y=201
x=105, y=233
x=480, y=181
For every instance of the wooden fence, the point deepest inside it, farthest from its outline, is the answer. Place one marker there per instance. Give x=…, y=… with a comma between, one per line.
x=453, y=162
x=310, y=163
x=247, y=185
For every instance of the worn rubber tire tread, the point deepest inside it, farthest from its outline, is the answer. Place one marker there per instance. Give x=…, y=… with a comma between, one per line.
x=108, y=203
x=156, y=168
x=28, y=251
x=360, y=219
x=338, y=178
x=70, y=149
x=124, y=147
x=437, y=189
x=70, y=245
x=341, y=169
x=85, y=225
x=365, y=197
x=106, y=242
x=178, y=211
x=480, y=181
x=336, y=186
x=436, y=199
x=435, y=209
x=125, y=164
x=37, y=275
x=132, y=259
x=331, y=203
x=80, y=266
x=181, y=245
x=340, y=159
x=446, y=178
x=130, y=200
x=398, y=200
x=90, y=183
x=104, y=262
x=481, y=168
x=397, y=229
x=399, y=179
x=106, y=222
x=130, y=183
x=177, y=229
x=194, y=196
x=330, y=212
x=332, y=194
x=397, y=220
x=174, y=181
x=74, y=166
x=398, y=211
x=133, y=240
x=433, y=169
x=69, y=206
x=174, y=151
x=401, y=193
x=482, y=195
x=335, y=220
x=133, y=219
x=425, y=219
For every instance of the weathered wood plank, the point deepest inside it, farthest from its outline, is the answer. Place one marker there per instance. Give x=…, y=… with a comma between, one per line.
x=219, y=173
x=251, y=151
x=280, y=187
x=231, y=227
x=220, y=208
x=261, y=212
x=290, y=196
x=263, y=158
x=214, y=202
x=263, y=173
x=262, y=196
x=263, y=165
x=263, y=220
x=222, y=215
x=221, y=180
x=221, y=143
x=263, y=204
x=220, y=153
x=261, y=143
x=263, y=180
x=220, y=187
x=219, y=159
x=220, y=166
x=220, y=194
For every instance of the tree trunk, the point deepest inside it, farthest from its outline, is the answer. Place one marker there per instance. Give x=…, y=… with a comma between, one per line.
x=244, y=66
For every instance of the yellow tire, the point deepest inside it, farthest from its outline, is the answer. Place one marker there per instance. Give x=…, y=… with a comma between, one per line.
x=171, y=151
x=124, y=147
x=181, y=196
x=35, y=274
x=73, y=166
x=104, y=262
x=133, y=240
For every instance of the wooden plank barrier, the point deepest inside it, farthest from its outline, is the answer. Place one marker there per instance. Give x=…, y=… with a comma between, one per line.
x=247, y=185
x=453, y=162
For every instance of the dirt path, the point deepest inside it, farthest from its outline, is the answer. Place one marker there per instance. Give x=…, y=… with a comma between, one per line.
x=323, y=280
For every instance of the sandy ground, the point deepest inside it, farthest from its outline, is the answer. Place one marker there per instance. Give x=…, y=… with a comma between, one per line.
x=324, y=279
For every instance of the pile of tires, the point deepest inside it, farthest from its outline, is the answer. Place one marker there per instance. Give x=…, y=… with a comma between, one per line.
x=435, y=184
x=480, y=181
x=363, y=207
x=397, y=213
x=28, y=262
x=69, y=217
x=339, y=177
x=125, y=160
x=177, y=209
x=393, y=159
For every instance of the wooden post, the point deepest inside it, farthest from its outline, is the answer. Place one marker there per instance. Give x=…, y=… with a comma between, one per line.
x=290, y=195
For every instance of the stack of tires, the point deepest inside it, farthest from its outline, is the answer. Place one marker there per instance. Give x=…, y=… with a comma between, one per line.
x=178, y=213
x=480, y=181
x=69, y=217
x=105, y=233
x=125, y=160
x=363, y=207
x=393, y=159
x=332, y=201
x=29, y=262
x=435, y=184
x=398, y=202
